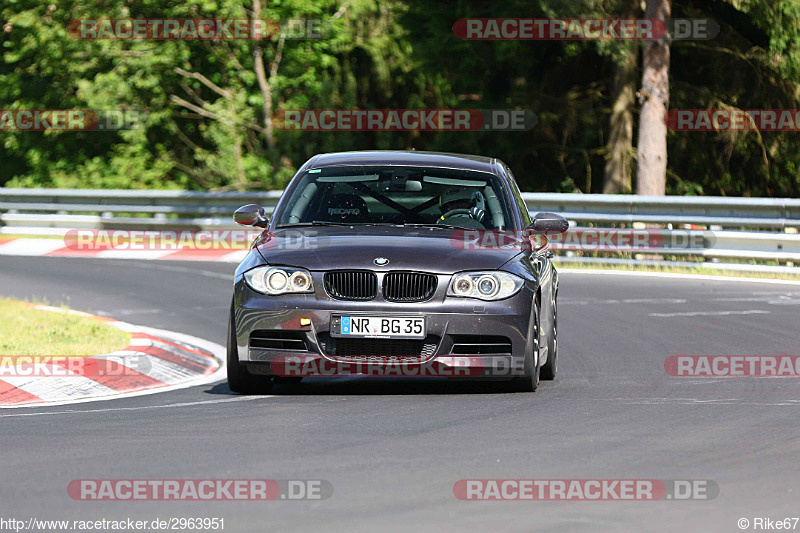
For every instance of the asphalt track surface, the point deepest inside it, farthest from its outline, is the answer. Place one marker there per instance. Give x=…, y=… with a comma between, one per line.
x=393, y=449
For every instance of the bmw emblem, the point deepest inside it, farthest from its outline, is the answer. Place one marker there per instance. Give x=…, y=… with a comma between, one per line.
x=381, y=261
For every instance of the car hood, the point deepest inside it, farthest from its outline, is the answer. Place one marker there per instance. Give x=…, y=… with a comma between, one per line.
x=437, y=250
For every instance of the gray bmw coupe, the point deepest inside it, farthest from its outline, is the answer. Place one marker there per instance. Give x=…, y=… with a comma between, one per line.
x=396, y=263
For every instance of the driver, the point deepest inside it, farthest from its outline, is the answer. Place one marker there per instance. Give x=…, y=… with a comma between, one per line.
x=461, y=203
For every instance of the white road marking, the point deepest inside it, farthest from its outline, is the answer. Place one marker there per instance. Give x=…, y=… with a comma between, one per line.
x=710, y=313
x=682, y=277
x=186, y=270
x=774, y=293
x=129, y=312
x=625, y=301
x=750, y=299
x=161, y=265
x=61, y=310
x=680, y=401
x=691, y=401
x=142, y=407
x=781, y=299
x=132, y=254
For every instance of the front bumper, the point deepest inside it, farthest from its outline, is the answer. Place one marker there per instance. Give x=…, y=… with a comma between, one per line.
x=448, y=321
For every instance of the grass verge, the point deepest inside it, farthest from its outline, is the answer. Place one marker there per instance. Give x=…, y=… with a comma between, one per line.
x=26, y=330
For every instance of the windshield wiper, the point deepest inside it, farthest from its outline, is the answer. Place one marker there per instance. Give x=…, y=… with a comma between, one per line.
x=316, y=223
x=434, y=225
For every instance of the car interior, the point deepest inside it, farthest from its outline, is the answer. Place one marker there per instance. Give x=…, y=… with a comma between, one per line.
x=398, y=196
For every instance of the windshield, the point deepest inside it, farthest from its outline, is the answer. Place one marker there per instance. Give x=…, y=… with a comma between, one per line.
x=398, y=196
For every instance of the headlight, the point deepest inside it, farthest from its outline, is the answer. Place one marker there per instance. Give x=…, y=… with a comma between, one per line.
x=462, y=286
x=279, y=280
x=484, y=285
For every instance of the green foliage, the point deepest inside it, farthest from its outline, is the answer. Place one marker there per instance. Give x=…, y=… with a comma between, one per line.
x=752, y=64
x=206, y=114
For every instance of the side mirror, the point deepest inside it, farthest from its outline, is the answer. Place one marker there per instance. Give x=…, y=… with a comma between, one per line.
x=549, y=223
x=251, y=215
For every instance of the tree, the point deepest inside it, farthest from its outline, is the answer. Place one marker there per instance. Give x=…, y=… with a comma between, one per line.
x=209, y=104
x=619, y=147
x=651, y=161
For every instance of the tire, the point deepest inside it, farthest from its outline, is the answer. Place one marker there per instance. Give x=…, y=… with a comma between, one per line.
x=529, y=382
x=239, y=379
x=551, y=366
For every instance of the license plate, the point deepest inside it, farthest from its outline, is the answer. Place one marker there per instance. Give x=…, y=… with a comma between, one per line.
x=378, y=326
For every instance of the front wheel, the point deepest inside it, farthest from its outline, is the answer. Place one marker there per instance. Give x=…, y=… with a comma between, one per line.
x=239, y=379
x=551, y=366
x=529, y=382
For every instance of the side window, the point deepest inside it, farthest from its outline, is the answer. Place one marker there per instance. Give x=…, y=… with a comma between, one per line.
x=526, y=217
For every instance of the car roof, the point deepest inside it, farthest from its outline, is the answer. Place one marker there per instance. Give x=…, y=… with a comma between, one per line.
x=407, y=158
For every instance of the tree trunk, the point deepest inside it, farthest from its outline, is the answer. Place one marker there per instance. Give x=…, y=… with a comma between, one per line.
x=263, y=85
x=651, y=161
x=620, y=132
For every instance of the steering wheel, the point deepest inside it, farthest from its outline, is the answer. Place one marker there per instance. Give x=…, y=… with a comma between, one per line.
x=454, y=212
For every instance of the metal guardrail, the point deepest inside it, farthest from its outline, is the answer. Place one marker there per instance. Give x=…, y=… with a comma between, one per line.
x=762, y=229
x=750, y=213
